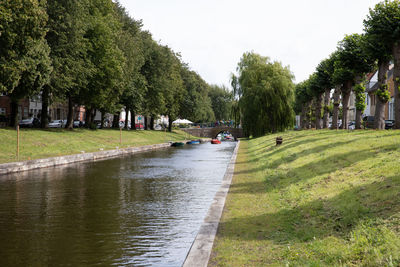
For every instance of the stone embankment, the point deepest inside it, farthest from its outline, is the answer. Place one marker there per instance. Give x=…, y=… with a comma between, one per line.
x=199, y=253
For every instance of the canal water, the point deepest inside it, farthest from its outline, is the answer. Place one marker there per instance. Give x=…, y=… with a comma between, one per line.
x=138, y=210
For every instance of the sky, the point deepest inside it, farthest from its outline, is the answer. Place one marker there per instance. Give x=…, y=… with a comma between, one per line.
x=212, y=35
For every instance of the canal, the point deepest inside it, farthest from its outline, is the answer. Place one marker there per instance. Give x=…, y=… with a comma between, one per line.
x=138, y=210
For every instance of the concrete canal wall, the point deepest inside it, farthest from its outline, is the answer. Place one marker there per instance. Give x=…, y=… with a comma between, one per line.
x=63, y=160
x=199, y=253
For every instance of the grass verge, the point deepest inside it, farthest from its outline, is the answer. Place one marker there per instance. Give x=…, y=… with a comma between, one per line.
x=35, y=144
x=322, y=198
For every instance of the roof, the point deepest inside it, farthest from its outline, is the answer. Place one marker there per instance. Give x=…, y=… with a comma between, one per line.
x=374, y=86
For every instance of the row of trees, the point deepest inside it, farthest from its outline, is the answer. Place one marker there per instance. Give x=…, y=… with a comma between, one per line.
x=345, y=70
x=92, y=53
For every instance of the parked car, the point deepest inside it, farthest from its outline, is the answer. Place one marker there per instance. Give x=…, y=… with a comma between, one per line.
x=30, y=123
x=56, y=124
x=77, y=124
x=368, y=121
x=389, y=124
x=352, y=125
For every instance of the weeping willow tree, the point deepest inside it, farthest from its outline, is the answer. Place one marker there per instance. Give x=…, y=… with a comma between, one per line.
x=267, y=95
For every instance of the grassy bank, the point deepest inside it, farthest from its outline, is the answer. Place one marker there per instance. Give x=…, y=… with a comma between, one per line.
x=36, y=144
x=322, y=198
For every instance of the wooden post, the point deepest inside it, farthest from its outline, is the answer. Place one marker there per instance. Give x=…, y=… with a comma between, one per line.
x=120, y=136
x=17, y=142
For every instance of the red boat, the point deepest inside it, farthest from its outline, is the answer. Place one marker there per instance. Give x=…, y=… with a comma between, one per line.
x=215, y=141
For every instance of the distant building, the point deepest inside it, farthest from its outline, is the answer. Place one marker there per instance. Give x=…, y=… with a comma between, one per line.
x=35, y=106
x=371, y=95
x=5, y=107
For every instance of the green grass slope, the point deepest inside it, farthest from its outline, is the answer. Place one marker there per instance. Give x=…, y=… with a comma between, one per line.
x=36, y=144
x=322, y=198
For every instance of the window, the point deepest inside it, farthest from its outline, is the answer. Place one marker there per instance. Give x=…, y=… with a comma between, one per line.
x=3, y=111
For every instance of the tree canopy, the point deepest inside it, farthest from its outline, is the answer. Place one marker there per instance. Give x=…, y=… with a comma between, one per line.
x=92, y=53
x=268, y=94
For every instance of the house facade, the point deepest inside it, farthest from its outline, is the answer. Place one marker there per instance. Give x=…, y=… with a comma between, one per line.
x=5, y=108
x=370, y=99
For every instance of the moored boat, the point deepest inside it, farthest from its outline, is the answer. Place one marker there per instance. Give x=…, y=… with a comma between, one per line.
x=176, y=144
x=215, y=141
x=193, y=142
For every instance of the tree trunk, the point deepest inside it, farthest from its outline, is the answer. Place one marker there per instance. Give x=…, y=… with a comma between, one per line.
x=170, y=120
x=88, y=119
x=335, y=112
x=396, y=79
x=126, y=119
x=70, y=117
x=145, y=123
x=303, y=117
x=327, y=97
x=14, y=113
x=92, y=115
x=345, y=104
x=115, y=123
x=318, y=109
x=102, y=119
x=358, y=118
x=358, y=111
x=44, y=117
x=313, y=116
x=309, y=112
x=379, y=120
x=152, y=123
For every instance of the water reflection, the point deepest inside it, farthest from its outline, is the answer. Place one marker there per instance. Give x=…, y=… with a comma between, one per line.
x=139, y=210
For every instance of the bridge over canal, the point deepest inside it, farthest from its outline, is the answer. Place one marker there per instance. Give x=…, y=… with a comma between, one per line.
x=212, y=132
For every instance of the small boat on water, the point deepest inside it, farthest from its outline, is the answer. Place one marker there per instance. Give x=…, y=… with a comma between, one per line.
x=215, y=141
x=193, y=142
x=176, y=144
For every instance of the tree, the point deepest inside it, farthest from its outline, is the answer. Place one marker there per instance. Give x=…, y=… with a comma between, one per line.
x=267, y=95
x=221, y=102
x=66, y=37
x=316, y=90
x=324, y=74
x=24, y=54
x=381, y=27
x=104, y=86
x=133, y=82
x=173, y=86
x=359, y=91
x=302, y=103
x=154, y=72
x=237, y=94
x=351, y=63
x=196, y=104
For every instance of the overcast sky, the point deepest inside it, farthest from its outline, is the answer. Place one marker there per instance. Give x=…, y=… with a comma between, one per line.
x=212, y=35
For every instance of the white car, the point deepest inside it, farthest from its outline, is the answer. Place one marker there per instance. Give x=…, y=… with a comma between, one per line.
x=56, y=124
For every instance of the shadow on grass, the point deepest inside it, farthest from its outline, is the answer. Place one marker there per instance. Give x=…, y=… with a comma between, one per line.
x=273, y=149
x=335, y=216
x=269, y=144
x=289, y=141
x=280, y=179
